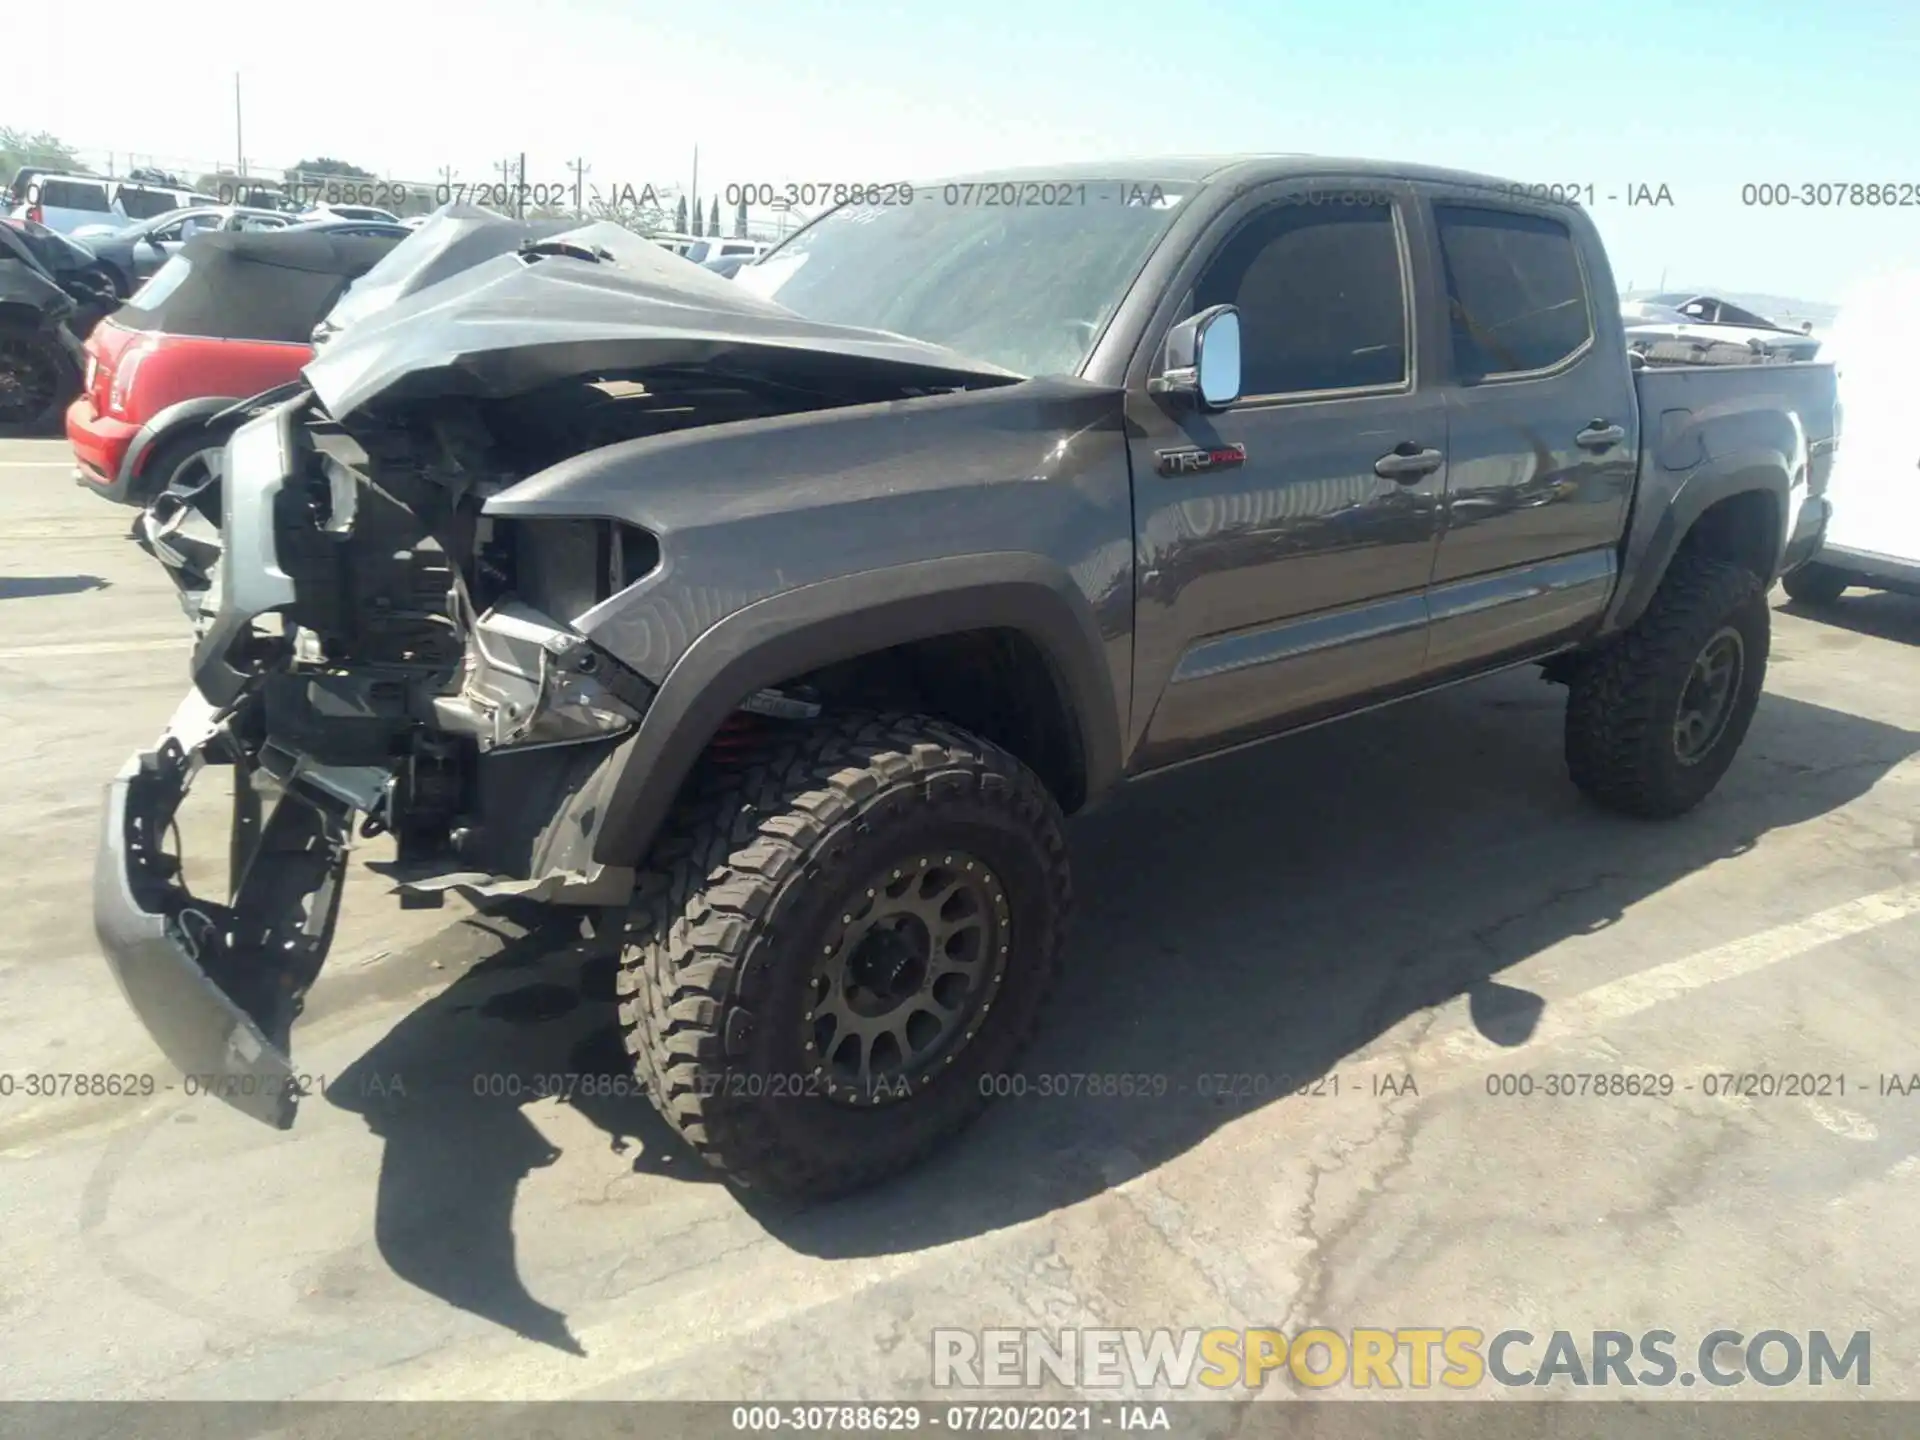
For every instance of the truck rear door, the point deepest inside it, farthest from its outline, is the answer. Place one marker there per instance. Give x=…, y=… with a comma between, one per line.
x=1542, y=427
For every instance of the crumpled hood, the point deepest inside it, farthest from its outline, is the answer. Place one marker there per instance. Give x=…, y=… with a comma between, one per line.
x=453, y=238
x=519, y=320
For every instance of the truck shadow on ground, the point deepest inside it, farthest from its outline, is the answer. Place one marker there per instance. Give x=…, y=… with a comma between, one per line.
x=1264, y=916
x=1877, y=613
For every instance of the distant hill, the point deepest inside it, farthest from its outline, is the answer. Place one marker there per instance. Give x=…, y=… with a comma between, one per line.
x=1781, y=309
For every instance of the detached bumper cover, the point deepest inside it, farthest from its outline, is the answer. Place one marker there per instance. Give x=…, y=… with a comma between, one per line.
x=218, y=985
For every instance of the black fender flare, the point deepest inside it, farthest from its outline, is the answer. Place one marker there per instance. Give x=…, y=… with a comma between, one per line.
x=176, y=419
x=839, y=619
x=1645, y=562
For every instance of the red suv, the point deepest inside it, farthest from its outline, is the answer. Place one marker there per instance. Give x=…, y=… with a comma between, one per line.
x=231, y=315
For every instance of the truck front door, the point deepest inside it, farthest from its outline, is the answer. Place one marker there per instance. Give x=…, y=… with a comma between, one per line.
x=1284, y=544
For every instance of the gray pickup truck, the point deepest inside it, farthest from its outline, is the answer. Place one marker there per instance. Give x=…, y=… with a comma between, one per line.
x=784, y=618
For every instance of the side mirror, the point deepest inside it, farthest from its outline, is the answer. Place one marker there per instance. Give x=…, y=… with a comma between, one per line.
x=1202, y=359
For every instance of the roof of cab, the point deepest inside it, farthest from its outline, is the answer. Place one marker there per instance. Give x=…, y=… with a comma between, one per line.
x=1241, y=169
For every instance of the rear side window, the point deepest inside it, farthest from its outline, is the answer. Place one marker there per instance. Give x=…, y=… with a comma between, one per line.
x=1514, y=288
x=73, y=195
x=1321, y=299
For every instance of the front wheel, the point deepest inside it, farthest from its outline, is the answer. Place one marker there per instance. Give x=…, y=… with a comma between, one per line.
x=840, y=947
x=1656, y=716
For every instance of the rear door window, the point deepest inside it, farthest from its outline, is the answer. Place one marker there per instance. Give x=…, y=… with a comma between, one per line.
x=1515, y=290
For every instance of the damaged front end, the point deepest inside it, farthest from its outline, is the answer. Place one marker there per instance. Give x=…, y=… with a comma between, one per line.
x=364, y=662
x=378, y=655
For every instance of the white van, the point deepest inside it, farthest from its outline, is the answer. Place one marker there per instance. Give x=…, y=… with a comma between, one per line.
x=1873, y=536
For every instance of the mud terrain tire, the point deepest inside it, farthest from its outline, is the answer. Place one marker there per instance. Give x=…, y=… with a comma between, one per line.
x=1628, y=709
x=765, y=877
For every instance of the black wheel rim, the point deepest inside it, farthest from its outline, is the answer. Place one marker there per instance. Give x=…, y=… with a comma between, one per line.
x=905, y=977
x=27, y=380
x=1707, y=702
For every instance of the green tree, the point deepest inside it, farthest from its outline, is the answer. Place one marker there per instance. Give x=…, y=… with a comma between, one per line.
x=38, y=148
x=680, y=215
x=713, y=217
x=740, y=218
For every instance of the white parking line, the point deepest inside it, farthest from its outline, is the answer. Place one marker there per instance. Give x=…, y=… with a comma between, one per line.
x=1583, y=1014
x=99, y=647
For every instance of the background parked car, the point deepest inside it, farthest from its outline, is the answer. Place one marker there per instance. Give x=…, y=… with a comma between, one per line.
x=144, y=200
x=729, y=265
x=75, y=268
x=65, y=202
x=346, y=225
x=231, y=315
x=1873, y=538
x=40, y=359
x=721, y=248
x=351, y=212
x=134, y=252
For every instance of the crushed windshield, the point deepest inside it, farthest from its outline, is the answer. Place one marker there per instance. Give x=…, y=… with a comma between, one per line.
x=1022, y=275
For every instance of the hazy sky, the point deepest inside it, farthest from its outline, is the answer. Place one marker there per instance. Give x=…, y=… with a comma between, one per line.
x=1702, y=98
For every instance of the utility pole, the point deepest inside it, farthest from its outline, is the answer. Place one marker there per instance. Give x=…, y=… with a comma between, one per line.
x=694, y=198
x=579, y=168
x=239, y=135
x=520, y=195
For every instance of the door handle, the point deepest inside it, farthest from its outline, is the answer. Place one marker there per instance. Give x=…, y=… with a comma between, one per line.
x=1599, y=435
x=1407, y=463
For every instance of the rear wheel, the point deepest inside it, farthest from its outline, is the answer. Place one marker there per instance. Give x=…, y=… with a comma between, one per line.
x=840, y=946
x=1656, y=716
x=36, y=379
x=1814, y=584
